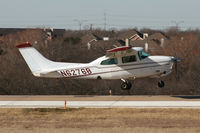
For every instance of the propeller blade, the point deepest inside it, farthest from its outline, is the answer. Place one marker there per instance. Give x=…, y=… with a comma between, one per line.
x=176, y=69
x=176, y=59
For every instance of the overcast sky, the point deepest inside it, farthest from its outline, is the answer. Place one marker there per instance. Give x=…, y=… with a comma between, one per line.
x=156, y=14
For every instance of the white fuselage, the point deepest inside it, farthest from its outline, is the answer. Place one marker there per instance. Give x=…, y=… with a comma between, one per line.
x=119, y=63
x=152, y=66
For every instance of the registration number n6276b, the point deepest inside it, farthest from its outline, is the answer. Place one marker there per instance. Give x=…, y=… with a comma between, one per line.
x=75, y=72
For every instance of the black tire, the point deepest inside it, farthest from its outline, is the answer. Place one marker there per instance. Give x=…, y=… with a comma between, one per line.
x=129, y=85
x=161, y=84
x=126, y=85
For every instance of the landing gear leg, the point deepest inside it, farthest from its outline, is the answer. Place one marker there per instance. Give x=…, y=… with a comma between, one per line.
x=161, y=83
x=125, y=85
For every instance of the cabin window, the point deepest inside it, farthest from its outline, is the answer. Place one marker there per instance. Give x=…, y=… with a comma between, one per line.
x=142, y=55
x=109, y=61
x=127, y=59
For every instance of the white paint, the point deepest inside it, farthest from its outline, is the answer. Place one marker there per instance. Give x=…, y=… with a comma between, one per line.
x=105, y=38
x=100, y=104
x=145, y=35
x=146, y=46
x=162, y=40
x=89, y=43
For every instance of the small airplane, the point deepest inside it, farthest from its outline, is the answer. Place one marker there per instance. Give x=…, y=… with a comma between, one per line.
x=125, y=63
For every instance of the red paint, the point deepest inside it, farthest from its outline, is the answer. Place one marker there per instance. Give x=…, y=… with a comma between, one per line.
x=63, y=73
x=24, y=45
x=73, y=72
x=119, y=49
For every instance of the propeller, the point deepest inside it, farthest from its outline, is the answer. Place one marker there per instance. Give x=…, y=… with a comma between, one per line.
x=175, y=59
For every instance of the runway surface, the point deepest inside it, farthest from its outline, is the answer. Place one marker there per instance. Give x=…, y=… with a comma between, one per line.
x=100, y=101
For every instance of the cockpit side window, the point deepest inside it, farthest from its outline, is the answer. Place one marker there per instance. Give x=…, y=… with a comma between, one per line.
x=127, y=59
x=142, y=55
x=109, y=61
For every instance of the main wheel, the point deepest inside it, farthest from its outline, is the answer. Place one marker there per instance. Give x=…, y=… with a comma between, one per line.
x=126, y=85
x=161, y=84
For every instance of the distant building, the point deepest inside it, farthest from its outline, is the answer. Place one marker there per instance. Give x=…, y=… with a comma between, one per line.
x=6, y=31
x=130, y=36
x=54, y=33
x=155, y=42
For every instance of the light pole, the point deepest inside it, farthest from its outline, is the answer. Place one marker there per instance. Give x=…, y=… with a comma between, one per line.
x=177, y=23
x=80, y=22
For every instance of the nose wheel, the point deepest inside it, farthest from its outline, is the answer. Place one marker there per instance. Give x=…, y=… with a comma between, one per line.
x=126, y=85
x=161, y=84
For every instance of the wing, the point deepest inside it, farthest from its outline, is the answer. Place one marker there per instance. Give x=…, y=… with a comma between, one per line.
x=122, y=51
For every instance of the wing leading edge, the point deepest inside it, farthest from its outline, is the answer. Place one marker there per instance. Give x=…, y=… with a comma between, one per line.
x=121, y=51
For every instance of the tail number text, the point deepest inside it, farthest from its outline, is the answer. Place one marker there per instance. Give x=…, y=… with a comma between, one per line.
x=76, y=72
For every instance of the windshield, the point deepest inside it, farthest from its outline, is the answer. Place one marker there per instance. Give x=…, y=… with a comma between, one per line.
x=142, y=55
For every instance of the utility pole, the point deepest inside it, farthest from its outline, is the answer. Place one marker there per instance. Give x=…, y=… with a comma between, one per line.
x=91, y=26
x=177, y=23
x=80, y=22
x=105, y=21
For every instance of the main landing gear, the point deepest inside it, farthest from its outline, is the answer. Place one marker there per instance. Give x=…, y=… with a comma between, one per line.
x=126, y=85
x=161, y=83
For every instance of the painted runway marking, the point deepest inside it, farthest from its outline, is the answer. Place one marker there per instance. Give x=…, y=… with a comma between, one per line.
x=100, y=104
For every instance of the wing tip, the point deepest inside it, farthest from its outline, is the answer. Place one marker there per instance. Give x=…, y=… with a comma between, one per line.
x=24, y=45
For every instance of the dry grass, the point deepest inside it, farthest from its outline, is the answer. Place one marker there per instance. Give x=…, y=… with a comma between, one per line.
x=100, y=120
